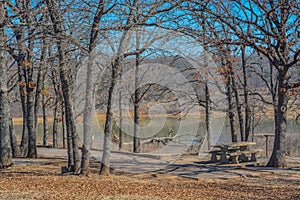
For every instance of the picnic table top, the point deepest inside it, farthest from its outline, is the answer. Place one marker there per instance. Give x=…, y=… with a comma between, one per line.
x=235, y=144
x=264, y=134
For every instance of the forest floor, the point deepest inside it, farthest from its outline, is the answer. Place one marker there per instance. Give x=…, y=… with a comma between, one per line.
x=186, y=178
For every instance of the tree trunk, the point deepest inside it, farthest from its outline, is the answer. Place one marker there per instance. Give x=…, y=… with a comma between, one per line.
x=120, y=121
x=208, y=116
x=230, y=108
x=45, y=121
x=55, y=122
x=105, y=169
x=63, y=123
x=246, y=97
x=5, y=143
x=40, y=76
x=66, y=86
x=38, y=95
x=32, y=152
x=24, y=141
x=136, y=137
x=56, y=88
x=13, y=138
x=278, y=158
x=30, y=89
x=116, y=70
x=69, y=142
x=136, y=133
x=88, y=117
x=238, y=105
x=45, y=113
x=70, y=120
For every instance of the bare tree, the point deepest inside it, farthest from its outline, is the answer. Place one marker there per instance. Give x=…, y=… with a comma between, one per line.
x=102, y=9
x=270, y=28
x=60, y=34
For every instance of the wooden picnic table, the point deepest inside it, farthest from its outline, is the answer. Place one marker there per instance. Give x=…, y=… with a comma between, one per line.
x=235, y=151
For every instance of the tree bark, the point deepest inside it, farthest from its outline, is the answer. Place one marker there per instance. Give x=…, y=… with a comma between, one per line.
x=278, y=158
x=105, y=169
x=5, y=143
x=45, y=113
x=32, y=151
x=30, y=89
x=230, y=108
x=246, y=97
x=23, y=93
x=136, y=133
x=40, y=79
x=45, y=121
x=24, y=141
x=63, y=123
x=13, y=138
x=88, y=117
x=55, y=122
x=238, y=105
x=208, y=116
x=70, y=121
x=120, y=121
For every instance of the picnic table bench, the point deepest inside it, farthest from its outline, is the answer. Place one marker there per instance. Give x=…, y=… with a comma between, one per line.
x=234, y=152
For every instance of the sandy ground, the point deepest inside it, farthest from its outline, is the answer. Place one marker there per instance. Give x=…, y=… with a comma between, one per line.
x=186, y=178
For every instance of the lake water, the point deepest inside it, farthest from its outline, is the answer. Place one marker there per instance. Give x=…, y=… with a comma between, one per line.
x=182, y=128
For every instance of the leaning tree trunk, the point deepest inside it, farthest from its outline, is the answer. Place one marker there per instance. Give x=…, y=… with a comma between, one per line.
x=278, y=158
x=5, y=143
